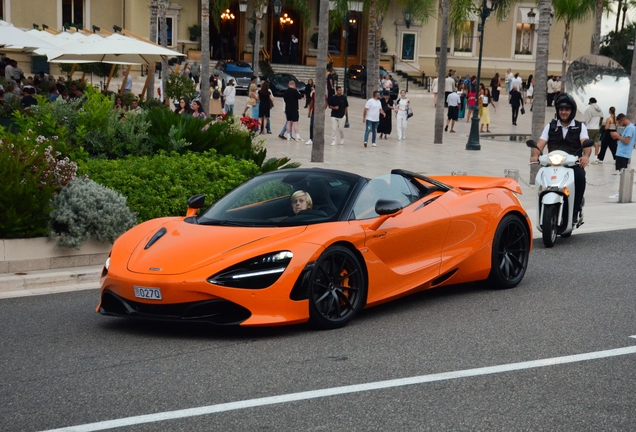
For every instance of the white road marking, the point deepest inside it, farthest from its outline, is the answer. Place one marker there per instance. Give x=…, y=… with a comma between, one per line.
x=314, y=394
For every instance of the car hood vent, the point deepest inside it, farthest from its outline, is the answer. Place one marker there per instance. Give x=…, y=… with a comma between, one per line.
x=185, y=247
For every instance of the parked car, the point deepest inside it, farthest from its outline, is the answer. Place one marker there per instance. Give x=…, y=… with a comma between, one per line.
x=239, y=71
x=357, y=81
x=279, y=82
x=317, y=245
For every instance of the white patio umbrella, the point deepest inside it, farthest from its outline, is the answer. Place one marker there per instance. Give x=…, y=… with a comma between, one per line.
x=16, y=39
x=117, y=49
x=67, y=42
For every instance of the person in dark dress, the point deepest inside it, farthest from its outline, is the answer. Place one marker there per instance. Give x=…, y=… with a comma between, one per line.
x=266, y=101
x=495, y=84
x=516, y=101
x=385, y=126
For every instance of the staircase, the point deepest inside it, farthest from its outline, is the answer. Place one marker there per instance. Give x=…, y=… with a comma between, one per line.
x=415, y=81
x=303, y=73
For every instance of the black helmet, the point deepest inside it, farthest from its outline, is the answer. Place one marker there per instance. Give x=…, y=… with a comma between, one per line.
x=564, y=100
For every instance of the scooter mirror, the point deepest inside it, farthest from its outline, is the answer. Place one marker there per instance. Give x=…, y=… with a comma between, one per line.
x=531, y=143
x=588, y=143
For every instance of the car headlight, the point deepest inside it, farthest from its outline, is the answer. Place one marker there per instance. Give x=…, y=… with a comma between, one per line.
x=556, y=159
x=256, y=273
x=106, y=266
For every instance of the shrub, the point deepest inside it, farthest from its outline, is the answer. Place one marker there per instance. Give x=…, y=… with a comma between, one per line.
x=180, y=86
x=30, y=176
x=160, y=185
x=86, y=209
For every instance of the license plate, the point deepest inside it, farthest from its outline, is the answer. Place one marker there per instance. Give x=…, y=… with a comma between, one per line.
x=147, y=293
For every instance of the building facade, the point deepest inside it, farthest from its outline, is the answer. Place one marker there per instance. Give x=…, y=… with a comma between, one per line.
x=412, y=48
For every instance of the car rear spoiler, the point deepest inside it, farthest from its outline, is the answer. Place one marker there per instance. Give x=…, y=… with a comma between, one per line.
x=479, y=182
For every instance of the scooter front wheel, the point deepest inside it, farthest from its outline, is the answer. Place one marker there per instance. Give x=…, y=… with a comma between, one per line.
x=549, y=224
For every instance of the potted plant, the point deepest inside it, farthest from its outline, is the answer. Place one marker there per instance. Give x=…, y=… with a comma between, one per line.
x=195, y=32
x=314, y=40
x=383, y=46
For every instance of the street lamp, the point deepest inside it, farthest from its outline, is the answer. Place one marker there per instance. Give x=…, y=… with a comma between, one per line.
x=278, y=7
x=242, y=6
x=487, y=7
x=407, y=17
x=630, y=45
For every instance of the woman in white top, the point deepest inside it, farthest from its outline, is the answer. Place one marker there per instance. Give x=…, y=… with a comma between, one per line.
x=607, y=141
x=402, y=106
x=434, y=85
x=229, y=93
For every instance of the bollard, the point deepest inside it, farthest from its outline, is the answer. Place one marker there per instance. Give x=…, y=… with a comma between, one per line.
x=626, y=185
x=459, y=173
x=512, y=173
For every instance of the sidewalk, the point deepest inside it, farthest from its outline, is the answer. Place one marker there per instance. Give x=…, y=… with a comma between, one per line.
x=417, y=153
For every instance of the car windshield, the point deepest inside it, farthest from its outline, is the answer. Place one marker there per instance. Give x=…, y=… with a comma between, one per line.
x=283, y=198
x=238, y=67
x=390, y=187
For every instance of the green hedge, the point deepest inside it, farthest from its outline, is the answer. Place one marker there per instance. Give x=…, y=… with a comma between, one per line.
x=160, y=185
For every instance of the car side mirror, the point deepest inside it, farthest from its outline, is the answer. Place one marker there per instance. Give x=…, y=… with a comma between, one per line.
x=194, y=204
x=387, y=207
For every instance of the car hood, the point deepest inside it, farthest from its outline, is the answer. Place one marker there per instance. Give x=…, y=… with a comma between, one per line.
x=185, y=247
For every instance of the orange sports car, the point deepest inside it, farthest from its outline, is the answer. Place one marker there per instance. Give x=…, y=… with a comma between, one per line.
x=317, y=245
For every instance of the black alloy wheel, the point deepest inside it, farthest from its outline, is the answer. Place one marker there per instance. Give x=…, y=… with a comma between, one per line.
x=338, y=289
x=510, y=253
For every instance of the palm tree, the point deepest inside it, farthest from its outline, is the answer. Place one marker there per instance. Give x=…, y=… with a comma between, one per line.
x=570, y=11
x=541, y=69
x=318, y=147
x=441, y=74
x=631, y=102
x=596, y=37
x=153, y=37
x=204, y=71
x=165, y=69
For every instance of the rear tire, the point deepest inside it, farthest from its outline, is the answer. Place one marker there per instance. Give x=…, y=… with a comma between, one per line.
x=549, y=225
x=510, y=253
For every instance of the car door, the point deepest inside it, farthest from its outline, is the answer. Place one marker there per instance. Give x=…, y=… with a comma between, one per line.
x=405, y=251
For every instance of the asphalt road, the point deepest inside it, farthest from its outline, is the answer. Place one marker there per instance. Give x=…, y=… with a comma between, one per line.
x=64, y=365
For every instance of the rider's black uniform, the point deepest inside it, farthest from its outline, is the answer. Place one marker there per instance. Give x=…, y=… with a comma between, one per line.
x=571, y=144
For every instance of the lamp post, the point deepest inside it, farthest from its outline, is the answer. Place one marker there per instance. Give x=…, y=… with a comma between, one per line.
x=347, y=23
x=407, y=17
x=487, y=7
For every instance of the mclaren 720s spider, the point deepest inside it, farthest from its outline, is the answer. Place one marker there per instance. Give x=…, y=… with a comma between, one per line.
x=317, y=246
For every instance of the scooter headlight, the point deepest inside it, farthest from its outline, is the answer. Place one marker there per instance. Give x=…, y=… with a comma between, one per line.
x=556, y=159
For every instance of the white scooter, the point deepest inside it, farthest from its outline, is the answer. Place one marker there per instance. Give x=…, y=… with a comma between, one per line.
x=555, y=184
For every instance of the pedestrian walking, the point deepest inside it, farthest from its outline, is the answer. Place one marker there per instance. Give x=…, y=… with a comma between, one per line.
x=516, y=101
x=402, y=107
x=309, y=87
x=194, y=71
x=495, y=87
x=593, y=119
x=434, y=88
x=371, y=117
x=385, y=127
x=530, y=90
x=471, y=99
x=485, y=102
x=625, y=143
x=508, y=80
x=449, y=87
x=310, y=113
x=453, y=102
x=339, y=108
x=216, y=92
x=266, y=102
x=291, y=96
x=229, y=95
x=606, y=137
x=461, y=91
x=251, y=95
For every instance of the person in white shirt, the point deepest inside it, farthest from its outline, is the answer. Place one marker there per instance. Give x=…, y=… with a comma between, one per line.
x=509, y=77
x=229, y=94
x=592, y=119
x=550, y=90
x=402, y=107
x=434, y=86
x=453, y=102
x=371, y=116
x=517, y=82
x=449, y=87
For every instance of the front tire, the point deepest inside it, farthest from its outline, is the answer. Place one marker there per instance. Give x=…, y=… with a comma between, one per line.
x=338, y=289
x=510, y=253
x=549, y=225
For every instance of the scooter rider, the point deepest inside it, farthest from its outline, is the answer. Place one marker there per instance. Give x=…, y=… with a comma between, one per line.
x=568, y=135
